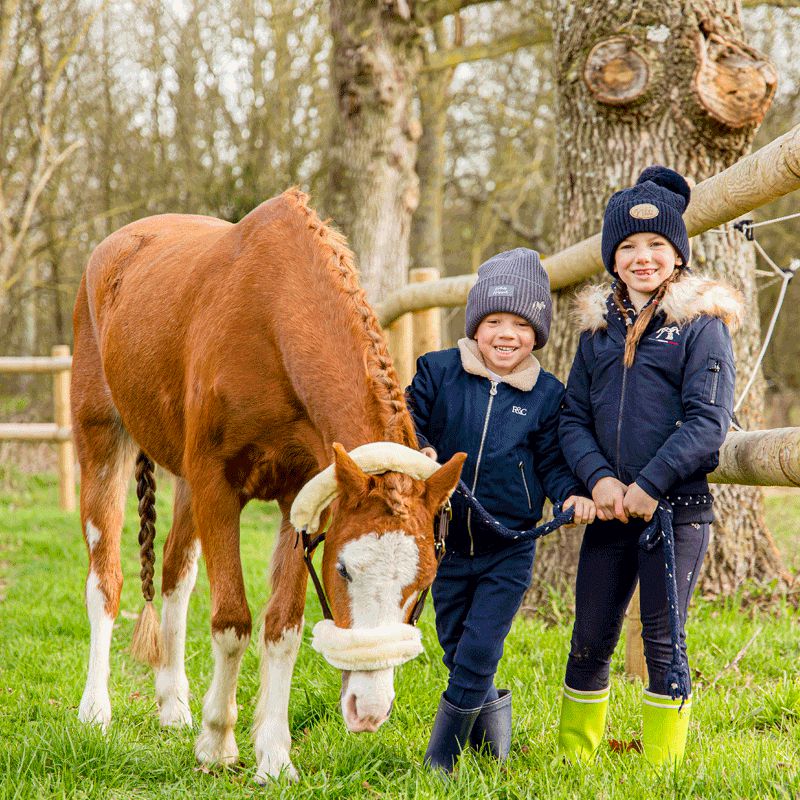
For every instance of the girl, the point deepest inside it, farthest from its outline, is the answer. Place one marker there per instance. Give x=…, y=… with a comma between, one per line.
x=491, y=399
x=648, y=403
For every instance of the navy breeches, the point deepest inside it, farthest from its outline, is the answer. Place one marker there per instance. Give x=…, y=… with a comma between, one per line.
x=610, y=562
x=475, y=599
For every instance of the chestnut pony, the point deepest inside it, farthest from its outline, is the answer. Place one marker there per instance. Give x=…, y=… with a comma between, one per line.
x=236, y=356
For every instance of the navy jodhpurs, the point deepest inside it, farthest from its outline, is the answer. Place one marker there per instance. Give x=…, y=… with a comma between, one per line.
x=610, y=562
x=475, y=599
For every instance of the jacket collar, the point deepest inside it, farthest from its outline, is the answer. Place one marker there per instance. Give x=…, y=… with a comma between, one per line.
x=524, y=377
x=685, y=300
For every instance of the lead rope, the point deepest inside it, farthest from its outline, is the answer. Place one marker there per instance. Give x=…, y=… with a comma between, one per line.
x=660, y=528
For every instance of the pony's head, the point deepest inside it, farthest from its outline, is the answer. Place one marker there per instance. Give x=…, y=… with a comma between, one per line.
x=379, y=555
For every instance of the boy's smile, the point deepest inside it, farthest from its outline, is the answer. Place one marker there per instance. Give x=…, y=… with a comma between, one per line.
x=505, y=341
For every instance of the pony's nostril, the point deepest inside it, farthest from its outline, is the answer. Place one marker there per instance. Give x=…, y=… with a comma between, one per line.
x=352, y=708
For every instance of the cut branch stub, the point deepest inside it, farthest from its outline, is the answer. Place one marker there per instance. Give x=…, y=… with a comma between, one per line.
x=734, y=82
x=615, y=72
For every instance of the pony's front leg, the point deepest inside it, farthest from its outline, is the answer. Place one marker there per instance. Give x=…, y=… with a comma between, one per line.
x=216, y=510
x=280, y=643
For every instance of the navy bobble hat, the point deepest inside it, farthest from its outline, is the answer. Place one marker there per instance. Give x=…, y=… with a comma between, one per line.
x=514, y=282
x=654, y=205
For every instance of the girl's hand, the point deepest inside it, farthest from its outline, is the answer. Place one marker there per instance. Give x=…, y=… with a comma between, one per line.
x=639, y=504
x=430, y=452
x=584, y=510
x=609, y=496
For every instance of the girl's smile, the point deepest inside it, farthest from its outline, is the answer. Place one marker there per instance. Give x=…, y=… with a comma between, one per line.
x=643, y=261
x=505, y=341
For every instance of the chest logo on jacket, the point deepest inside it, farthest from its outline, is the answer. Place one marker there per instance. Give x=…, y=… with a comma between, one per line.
x=667, y=334
x=523, y=412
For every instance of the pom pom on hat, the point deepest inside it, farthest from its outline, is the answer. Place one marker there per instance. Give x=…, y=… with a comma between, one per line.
x=668, y=179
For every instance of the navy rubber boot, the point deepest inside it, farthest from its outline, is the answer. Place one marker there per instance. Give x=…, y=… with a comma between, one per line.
x=492, y=728
x=450, y=734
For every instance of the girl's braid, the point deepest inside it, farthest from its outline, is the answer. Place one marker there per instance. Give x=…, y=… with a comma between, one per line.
x=635, y=331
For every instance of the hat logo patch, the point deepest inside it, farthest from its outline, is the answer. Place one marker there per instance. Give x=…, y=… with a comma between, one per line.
x=644, y=211
x=502, y=291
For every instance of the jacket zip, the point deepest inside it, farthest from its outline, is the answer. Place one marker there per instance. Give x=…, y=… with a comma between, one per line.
x=619, y=419
x=714, y=382
x=525, y=484
x=492, y=393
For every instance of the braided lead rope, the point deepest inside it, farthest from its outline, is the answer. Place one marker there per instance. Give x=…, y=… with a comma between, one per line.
x=660, y=529
x=560, y=518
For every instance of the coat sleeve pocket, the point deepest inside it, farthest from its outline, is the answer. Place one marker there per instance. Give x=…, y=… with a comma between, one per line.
x=718, y=388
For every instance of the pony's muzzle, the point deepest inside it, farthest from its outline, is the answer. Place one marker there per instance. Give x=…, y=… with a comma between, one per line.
x=367, y=699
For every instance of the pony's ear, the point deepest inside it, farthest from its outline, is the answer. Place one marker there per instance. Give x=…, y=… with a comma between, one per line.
x=443, y=482
x=351, y=479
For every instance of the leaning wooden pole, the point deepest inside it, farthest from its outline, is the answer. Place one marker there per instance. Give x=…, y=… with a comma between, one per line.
x=763, y=176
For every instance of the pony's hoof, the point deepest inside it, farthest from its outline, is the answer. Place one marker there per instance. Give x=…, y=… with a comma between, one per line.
x=95, y=711
x=275, y=766
x=216, y=748
x=175, y=714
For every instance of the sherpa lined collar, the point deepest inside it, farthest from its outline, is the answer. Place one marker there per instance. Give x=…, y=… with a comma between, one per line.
x=684, y=301
x=523, y=377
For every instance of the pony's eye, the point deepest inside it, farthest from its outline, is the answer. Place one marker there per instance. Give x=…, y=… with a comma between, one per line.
x=342, y=570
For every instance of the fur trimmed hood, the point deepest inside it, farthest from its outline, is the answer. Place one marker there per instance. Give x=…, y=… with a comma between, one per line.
x=523, y=377
x=685, y=300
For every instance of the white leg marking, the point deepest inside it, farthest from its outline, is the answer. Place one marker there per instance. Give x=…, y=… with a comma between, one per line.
x=172, y=686
x=216, y=744
x=95, y=704
x=93, y=535
x=271, y=725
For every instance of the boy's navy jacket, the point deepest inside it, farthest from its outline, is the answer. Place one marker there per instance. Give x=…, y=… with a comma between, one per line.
x=509, y=431
x=662, y=421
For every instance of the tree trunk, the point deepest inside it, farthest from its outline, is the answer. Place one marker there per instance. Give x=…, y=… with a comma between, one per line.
x=373, y=184
x=665, y=86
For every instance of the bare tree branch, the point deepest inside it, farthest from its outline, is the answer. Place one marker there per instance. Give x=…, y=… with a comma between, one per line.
x=445, y=59
x=429, y=13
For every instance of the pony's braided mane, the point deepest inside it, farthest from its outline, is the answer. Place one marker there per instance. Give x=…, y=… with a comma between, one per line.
x=397, y=425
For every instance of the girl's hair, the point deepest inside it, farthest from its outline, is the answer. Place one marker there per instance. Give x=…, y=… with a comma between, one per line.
x=634, y=331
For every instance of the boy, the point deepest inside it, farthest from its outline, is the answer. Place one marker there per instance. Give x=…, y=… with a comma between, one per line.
x=490, y=398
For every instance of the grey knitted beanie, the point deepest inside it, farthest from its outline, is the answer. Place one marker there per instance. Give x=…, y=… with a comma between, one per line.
x=654, y=205
x=514, y=282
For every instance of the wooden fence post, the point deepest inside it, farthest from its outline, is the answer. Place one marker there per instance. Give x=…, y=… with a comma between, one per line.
x=635, y=665
x=66, y=452
x=427, y=323
x=400, y=334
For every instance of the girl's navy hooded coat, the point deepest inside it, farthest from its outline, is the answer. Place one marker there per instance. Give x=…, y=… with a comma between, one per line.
x=509, y=431
x=662, y=421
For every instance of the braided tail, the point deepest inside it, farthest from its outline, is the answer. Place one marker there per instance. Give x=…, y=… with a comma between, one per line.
x=146, y=644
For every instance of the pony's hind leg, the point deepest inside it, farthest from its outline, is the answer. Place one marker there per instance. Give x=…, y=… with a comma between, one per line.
x=217, y=508
x=279, y=644
x=106, y=457
x=181, y=553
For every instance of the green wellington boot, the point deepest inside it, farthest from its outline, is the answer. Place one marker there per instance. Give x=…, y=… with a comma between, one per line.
x=583, y=722
x=664, y=728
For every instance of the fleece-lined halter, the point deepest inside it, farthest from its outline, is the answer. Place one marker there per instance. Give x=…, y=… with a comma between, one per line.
x=363, y=649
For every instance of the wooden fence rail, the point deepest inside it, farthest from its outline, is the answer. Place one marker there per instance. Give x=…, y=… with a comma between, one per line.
x=58, y=432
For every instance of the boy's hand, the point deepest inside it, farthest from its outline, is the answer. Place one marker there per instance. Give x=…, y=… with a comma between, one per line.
x=609, y=497
x=430, y=452
x=584, y=510
x=639, y=504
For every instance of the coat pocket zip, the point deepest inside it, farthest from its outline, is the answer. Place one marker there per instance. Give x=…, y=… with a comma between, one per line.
x=715, y=369
x=525, y=484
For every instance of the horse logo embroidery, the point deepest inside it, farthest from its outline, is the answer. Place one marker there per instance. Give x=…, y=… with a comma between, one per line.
x=668, y=333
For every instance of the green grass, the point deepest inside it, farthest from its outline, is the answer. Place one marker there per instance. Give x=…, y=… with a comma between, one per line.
x=744, y=739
